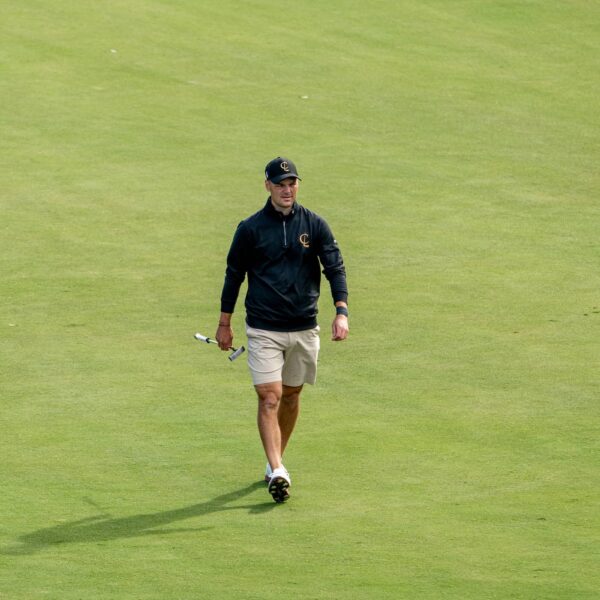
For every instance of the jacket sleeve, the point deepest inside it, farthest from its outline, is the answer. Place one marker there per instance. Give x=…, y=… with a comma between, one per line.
x=237, y=267
x=332, y=262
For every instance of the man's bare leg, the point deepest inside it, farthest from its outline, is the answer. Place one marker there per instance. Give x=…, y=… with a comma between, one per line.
x=269, y=405
x=269, y=401
x=289, y=408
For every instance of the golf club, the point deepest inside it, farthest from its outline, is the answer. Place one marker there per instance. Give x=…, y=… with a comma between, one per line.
x=232, y=357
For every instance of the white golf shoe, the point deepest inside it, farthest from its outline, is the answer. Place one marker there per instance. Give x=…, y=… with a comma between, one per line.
x=269, y=472
x=279, y=483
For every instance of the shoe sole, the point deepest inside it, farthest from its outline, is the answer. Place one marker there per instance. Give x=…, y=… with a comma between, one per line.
x=278, y=488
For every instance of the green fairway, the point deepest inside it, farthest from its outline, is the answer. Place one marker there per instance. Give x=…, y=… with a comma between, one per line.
x=450, y=448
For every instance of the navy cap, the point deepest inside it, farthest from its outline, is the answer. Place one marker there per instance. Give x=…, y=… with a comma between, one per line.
x=279, y=169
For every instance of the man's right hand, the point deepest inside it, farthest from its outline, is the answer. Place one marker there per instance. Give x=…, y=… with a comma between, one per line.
x=224, y=337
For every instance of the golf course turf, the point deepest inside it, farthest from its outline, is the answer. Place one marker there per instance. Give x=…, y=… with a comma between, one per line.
x=450, y=448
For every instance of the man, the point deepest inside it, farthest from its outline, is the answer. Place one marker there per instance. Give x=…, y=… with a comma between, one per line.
x=282, y=248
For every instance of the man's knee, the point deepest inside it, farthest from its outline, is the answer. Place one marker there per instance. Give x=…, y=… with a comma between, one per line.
x=291, y=395
x=269, y=395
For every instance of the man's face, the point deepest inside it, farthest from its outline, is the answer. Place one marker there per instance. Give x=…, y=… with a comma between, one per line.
x=283, y=194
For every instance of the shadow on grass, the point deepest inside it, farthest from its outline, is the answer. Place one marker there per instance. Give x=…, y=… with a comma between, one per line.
x=104, y=528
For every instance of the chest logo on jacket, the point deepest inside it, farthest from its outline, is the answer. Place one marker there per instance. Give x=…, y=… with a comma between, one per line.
x=304, y=240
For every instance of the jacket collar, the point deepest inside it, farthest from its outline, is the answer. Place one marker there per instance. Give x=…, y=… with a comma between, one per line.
x=269, y=209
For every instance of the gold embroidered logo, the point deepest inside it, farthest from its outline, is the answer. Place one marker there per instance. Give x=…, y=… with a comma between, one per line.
x=304, y=240
x=285, y=167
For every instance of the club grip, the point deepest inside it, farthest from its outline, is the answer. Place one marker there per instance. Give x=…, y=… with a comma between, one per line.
x=203, y=338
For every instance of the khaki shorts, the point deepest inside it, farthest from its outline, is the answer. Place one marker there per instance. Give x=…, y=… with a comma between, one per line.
x=289, y=357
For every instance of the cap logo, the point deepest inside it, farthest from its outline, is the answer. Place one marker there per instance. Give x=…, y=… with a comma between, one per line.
x=304, y=240
x=285, y=167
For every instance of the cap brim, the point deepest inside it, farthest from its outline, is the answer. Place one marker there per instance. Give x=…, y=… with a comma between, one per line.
x=284, y=176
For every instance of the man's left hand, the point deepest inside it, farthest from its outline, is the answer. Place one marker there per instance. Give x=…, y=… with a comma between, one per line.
x=339, y=328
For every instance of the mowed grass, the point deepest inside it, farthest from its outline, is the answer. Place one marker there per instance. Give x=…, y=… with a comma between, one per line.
x=450, y=447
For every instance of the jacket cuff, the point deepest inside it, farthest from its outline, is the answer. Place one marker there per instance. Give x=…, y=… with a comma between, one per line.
x=227, y=307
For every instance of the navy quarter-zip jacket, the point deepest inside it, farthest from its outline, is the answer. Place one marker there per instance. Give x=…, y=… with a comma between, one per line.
x=282, y=256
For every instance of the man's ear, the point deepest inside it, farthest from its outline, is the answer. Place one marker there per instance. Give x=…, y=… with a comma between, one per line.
x=267, y=187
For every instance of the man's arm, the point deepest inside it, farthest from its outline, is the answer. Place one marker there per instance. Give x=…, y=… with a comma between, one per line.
x=335, y=272
x=237, y=266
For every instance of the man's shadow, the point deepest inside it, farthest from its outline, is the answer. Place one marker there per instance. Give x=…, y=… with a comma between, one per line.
x=103, y=528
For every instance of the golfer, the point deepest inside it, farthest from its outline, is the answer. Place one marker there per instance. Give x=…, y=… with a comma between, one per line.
x=281, y=249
